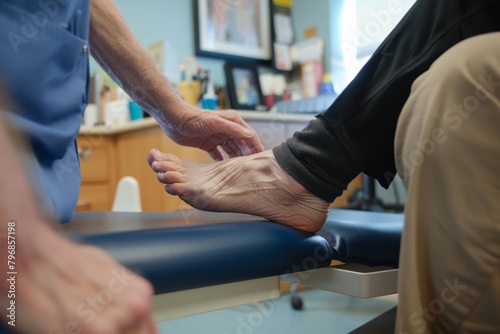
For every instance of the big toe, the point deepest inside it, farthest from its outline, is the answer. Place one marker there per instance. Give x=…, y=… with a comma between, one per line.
x=155, y=155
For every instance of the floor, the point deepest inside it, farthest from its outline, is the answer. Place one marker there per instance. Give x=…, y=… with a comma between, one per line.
x=323, y=312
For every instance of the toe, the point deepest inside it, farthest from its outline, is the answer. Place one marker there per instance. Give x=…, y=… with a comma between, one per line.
x=151, y=157
x=171, y=177
x=167, y=166
x=157, y=155
x=176, y=189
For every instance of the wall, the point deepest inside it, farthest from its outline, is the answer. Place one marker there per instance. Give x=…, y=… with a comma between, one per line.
x=170, y=20
x=306, y=15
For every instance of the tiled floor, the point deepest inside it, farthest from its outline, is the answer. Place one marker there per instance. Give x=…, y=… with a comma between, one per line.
x=324, y=312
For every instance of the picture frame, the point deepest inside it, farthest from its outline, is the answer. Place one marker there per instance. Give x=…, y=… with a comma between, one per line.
x=243, y=86
x=238, y=30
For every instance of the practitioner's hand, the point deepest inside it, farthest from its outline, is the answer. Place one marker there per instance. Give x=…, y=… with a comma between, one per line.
x=208, y=130
x=63, y=287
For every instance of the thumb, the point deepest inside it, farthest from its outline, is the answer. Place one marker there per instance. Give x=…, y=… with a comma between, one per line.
x=234, y=130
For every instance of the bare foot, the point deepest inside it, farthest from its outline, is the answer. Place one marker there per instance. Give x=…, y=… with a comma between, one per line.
x=253, y=184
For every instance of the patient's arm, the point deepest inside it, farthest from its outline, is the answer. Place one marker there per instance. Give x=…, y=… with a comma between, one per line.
x=117, y=50
x=58, y=280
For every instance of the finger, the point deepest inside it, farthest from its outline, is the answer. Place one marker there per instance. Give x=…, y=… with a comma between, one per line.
x=248, y=147
x=253, y=145
x=256, y=145
x=215, y=154
x=148, y=326
x=233, y=126
x=232, y=149
x=140, y=299
x=233, y=116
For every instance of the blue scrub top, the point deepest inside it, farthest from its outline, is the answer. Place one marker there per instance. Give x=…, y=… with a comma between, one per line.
x=44, y=68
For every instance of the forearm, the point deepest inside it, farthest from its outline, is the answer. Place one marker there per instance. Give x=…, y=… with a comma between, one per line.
x=121, y=55
x=17, y=200
x=129, y=64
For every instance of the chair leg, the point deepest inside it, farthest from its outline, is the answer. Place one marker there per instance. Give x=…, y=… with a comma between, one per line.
x=296, y=301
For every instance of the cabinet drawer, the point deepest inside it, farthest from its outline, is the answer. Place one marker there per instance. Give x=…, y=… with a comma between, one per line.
x=94, y=162
x=95, y=197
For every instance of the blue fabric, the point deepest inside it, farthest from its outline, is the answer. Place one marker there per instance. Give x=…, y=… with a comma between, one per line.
x=190, y=249
x=44, y=68
x=369, y=238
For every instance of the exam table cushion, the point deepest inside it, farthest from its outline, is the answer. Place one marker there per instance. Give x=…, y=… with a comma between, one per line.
x=369, y=238
x=184, y=250
x=191, y=248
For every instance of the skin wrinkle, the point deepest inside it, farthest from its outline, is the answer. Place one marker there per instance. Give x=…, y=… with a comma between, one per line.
x=253, y=184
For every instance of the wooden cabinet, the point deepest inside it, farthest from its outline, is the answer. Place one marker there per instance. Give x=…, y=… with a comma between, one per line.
x=106, y=156
x=98, y=173
x=132, y=149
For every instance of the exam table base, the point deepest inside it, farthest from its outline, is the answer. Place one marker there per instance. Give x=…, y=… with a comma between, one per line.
x=349, y=279
x=194, y=301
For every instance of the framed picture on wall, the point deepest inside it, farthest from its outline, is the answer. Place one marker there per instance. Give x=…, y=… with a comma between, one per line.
x=243, y=86
x=233, y=29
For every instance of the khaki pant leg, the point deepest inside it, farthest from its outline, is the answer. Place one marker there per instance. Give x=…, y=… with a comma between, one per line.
x=448, y=155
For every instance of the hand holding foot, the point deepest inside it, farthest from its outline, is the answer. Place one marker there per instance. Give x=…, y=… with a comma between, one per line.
x=253, y=184
x=209, y=130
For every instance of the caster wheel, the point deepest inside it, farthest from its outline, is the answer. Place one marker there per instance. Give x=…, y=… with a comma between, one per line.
x=297, y=303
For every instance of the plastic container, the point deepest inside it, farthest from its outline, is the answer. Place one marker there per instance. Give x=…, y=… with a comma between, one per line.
x=135, y=111
x=209, y=100
x=326, y=87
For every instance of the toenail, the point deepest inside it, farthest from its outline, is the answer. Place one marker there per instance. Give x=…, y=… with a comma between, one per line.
x=158, y=154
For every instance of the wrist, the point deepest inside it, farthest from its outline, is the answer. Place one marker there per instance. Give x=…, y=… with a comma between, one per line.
x=176, y=116
x=34, y=234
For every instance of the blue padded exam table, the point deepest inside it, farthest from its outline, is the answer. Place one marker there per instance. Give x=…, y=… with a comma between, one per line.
x=200, y=261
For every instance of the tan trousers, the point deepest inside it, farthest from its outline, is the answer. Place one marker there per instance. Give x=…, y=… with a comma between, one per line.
x=448, y=155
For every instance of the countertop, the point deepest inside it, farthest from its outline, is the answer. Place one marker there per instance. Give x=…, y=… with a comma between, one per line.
x=248, y=116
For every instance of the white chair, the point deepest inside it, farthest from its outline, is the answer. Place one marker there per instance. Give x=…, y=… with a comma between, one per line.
x=127, y=196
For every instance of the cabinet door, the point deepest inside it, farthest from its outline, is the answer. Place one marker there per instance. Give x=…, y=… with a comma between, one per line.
x=98, y=181
x=94, y=197
x=132, y=149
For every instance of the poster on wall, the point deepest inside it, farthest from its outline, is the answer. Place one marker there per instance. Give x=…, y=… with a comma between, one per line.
x=283, y=36
x=233, y=29
x=243, y=86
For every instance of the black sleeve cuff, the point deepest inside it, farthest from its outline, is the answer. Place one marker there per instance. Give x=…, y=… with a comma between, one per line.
x=318, y=161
